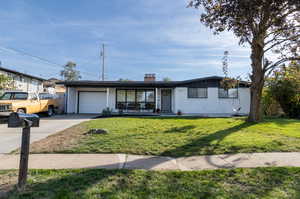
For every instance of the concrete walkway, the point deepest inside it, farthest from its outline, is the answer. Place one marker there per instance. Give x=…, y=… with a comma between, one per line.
x=119, y=161
x=10, y=138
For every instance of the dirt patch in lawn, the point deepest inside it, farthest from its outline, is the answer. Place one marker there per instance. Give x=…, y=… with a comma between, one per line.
x=59, y=142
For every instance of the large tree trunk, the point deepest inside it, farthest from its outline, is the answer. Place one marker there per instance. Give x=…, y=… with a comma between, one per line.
x=255, y=104
x=257, y=78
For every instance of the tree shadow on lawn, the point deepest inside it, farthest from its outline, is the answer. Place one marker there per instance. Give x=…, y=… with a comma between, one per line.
x=281, y=121
x=193, y=147
x=68, y=186
x=237, y=183
x=275, y=120
x=198, y=146
x=176, y=117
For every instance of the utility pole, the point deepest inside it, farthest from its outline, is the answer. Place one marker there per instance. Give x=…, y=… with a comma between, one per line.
x=102, y=54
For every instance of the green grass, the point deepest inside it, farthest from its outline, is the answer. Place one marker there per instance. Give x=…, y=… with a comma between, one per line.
x=189, y=136
x=263, y=183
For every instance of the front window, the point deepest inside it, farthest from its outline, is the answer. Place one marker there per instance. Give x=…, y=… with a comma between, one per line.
x=150, y=96
x=228, y=93
x=135, y=99
x=6, y=96
x=140, y=95
x=121, y=95
x=130, y=95
x=197, y=92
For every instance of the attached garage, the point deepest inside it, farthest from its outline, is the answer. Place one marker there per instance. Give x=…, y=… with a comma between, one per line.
x=91, y=101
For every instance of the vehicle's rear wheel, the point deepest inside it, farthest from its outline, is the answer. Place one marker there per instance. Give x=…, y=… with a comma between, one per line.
x=21, y=110
x=50, y=111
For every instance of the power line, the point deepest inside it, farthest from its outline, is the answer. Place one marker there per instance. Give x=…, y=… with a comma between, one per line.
x=30, y=55
x=40, y=58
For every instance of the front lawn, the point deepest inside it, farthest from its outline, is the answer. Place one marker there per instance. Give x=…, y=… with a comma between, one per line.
x=264, y=183
x=176, y=136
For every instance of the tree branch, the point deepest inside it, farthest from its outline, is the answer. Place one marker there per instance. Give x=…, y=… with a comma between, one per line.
x=282, y=41
x=278, y=31
x=248, y=40
x=275, y=37
x=272, y=66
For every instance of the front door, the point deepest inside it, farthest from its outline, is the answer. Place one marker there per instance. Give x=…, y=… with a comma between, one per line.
x=166, y=101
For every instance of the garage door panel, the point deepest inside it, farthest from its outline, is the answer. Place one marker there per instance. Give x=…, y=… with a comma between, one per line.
x=91, y=102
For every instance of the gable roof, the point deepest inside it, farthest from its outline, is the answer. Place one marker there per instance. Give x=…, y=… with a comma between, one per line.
x=21, y=74
x=211, y=81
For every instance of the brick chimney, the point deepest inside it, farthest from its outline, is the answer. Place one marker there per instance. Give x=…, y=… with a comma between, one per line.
x=149, y=77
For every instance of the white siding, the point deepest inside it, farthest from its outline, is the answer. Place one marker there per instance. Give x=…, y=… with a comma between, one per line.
x=71, y=100
x=23, y=83
x=212, y=104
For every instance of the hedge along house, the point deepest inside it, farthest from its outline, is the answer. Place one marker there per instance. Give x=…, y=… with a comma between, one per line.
x=202, y=96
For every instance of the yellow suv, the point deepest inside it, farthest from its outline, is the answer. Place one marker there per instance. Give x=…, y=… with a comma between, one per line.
x=23, y=102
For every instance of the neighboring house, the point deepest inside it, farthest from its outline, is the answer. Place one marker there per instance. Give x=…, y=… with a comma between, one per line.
x=24, y=82
x=51, y=86
x=195, y=96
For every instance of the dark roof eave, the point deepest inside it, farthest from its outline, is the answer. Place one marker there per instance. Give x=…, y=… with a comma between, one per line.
x=128, y=84
x=118, y=84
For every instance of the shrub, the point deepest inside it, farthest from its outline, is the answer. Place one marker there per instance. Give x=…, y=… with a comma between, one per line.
x=285, y=88
x=270, y=107
x=179, y=112
x=106, y=112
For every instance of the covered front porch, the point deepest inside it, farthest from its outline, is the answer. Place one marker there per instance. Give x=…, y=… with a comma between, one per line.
x=144, y=100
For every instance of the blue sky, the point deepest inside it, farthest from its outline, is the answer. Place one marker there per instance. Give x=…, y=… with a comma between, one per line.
x=141, y=36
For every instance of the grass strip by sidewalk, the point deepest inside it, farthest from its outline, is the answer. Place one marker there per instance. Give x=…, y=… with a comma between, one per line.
x=271, y=183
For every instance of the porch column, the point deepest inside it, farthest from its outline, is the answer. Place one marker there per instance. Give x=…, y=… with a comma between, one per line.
x=107, y=97
x=156, y=99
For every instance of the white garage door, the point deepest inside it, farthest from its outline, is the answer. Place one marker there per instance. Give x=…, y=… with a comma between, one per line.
x=91, y=102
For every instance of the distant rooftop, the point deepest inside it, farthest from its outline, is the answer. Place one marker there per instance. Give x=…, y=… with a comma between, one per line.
x=21, y=74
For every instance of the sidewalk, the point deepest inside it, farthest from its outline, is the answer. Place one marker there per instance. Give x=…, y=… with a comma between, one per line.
x=119, y=161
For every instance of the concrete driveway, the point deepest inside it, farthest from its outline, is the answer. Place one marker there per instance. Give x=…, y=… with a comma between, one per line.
x=10, y=138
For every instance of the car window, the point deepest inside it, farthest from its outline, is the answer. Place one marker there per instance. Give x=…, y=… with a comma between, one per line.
x=14, y=96
x=20, y=96
x=5, y=96
x=44, y=96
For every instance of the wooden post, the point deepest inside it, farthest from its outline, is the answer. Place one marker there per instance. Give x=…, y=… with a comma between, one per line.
x=24, y=156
